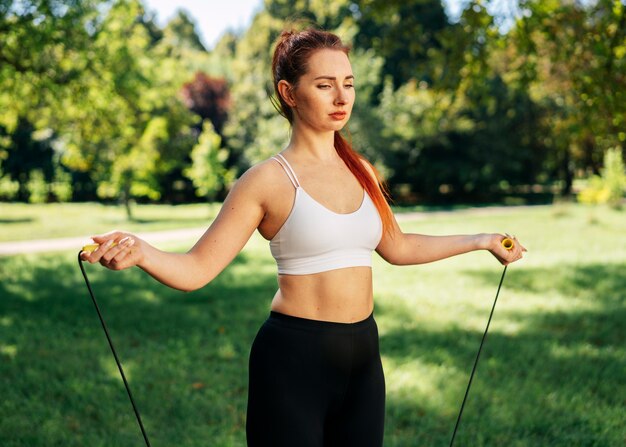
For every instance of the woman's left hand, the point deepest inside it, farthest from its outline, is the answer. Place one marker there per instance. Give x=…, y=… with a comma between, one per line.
x=495, y=247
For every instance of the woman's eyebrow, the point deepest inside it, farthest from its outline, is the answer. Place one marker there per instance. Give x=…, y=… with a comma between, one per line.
x=332, y=78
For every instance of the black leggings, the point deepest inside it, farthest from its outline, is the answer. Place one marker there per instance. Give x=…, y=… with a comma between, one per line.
x=315, y=383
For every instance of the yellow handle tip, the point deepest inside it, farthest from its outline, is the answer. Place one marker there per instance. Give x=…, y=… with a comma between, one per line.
x=508, y=243
x=92, y=247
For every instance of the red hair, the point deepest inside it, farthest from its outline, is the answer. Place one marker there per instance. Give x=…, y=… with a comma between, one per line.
x=289, y=63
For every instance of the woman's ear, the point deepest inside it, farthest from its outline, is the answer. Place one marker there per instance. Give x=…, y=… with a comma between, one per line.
x=285, y=90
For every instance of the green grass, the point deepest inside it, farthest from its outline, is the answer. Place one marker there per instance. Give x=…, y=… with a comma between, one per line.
x=552, y=372
x=23, y=221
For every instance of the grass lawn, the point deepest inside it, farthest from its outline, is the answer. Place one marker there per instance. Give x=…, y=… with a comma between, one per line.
x=552, y=372
x=22, y=221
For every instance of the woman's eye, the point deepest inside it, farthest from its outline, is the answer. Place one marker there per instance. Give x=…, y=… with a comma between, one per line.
x=349, y=86
x=323, y=86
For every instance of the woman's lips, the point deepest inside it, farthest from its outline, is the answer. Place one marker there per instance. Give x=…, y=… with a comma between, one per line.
x=338, y=115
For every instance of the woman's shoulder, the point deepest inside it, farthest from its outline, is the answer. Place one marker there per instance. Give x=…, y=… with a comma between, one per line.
x=264, y=171
x=266, y=178
x=263, y=183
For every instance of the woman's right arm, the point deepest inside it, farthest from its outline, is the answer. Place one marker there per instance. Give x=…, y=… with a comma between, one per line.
x=240, y=215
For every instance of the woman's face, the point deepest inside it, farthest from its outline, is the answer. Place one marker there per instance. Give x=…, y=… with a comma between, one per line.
x=324, y=96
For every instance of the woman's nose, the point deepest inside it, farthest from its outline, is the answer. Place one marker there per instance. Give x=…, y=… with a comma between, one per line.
x=340, y=98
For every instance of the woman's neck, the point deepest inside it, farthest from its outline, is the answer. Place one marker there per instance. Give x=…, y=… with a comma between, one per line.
x=310, y=144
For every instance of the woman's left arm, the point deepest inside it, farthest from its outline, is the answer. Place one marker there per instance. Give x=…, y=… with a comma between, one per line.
x=399, y=248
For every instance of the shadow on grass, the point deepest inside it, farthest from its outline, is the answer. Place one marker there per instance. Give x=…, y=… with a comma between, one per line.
x=185, y=355
x=16, y=220
x=188, y=221
x=558, y=380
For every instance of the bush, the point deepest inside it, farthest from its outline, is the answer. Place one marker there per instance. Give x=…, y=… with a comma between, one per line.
x=62, y=185
x=610, y=186
x=37, y=187
x=8, y=188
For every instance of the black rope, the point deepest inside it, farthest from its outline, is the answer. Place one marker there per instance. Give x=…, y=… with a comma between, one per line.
x=119, y=365
x=458, y=419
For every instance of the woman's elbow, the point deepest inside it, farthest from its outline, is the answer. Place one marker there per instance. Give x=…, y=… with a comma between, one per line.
x=391, y=258
x=400, y=259
x=398, y=262
x=186, y=288
x=192, y=286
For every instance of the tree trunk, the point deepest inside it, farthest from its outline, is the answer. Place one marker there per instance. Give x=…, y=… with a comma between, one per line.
x=126, y=199
x=567, y=173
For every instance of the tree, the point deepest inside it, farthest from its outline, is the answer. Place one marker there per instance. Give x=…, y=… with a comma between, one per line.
x=403, y=33
x=209, y=98
x=610, y=186
x=326, y=14
x=255, y=130
x=573, y=56
x=127, y=126
x=27, y=152
x=208, y=171
x=44, y=52
x=182, y=31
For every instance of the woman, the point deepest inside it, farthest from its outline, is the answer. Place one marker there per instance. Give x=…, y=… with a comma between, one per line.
x=315, y=372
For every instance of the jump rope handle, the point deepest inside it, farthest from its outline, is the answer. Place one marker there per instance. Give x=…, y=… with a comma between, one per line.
x=508, y=244
x=92, y=247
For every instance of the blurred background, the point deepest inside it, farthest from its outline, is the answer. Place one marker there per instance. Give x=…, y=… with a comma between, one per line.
x=458, y=101
x=483, y=116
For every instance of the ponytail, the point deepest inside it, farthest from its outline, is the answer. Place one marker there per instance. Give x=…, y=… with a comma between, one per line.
x=374, y=186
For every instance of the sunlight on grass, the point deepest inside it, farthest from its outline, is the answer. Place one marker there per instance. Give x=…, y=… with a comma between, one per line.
x=588, y=351
x=6, y=321
x=109, y=367
x=8, y=350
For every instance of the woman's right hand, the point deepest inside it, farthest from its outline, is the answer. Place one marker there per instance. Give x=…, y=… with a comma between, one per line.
x=506, y=256
x=117, y=250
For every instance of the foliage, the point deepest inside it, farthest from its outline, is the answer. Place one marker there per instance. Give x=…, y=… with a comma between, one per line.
x=610, y=186
x=43, y=52
x=254, y=129
x=403, y=33
x=325, y=14
x=208, y=98
x=449, y=110
x=469, y=145
x=416, y=119
x=131, y=127
x=61, y=187
x=121, y=119
x=26, y=151
x=37, y=187
x=208, y=171
x=572, y=57
x=183, y=32
x=8, y=188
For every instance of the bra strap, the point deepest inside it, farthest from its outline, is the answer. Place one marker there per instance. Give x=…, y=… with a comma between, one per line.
x=288, y=169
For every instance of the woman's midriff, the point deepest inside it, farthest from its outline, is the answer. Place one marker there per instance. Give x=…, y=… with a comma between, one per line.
x=342, y=295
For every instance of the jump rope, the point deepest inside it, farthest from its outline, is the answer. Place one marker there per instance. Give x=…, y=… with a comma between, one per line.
x=507, y=243
x=92, y=247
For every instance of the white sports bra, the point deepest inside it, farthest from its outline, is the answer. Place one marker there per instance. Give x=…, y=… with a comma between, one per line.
x=315, y=239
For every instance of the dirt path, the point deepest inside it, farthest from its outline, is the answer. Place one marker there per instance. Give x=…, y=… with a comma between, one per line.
x=75, y=243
